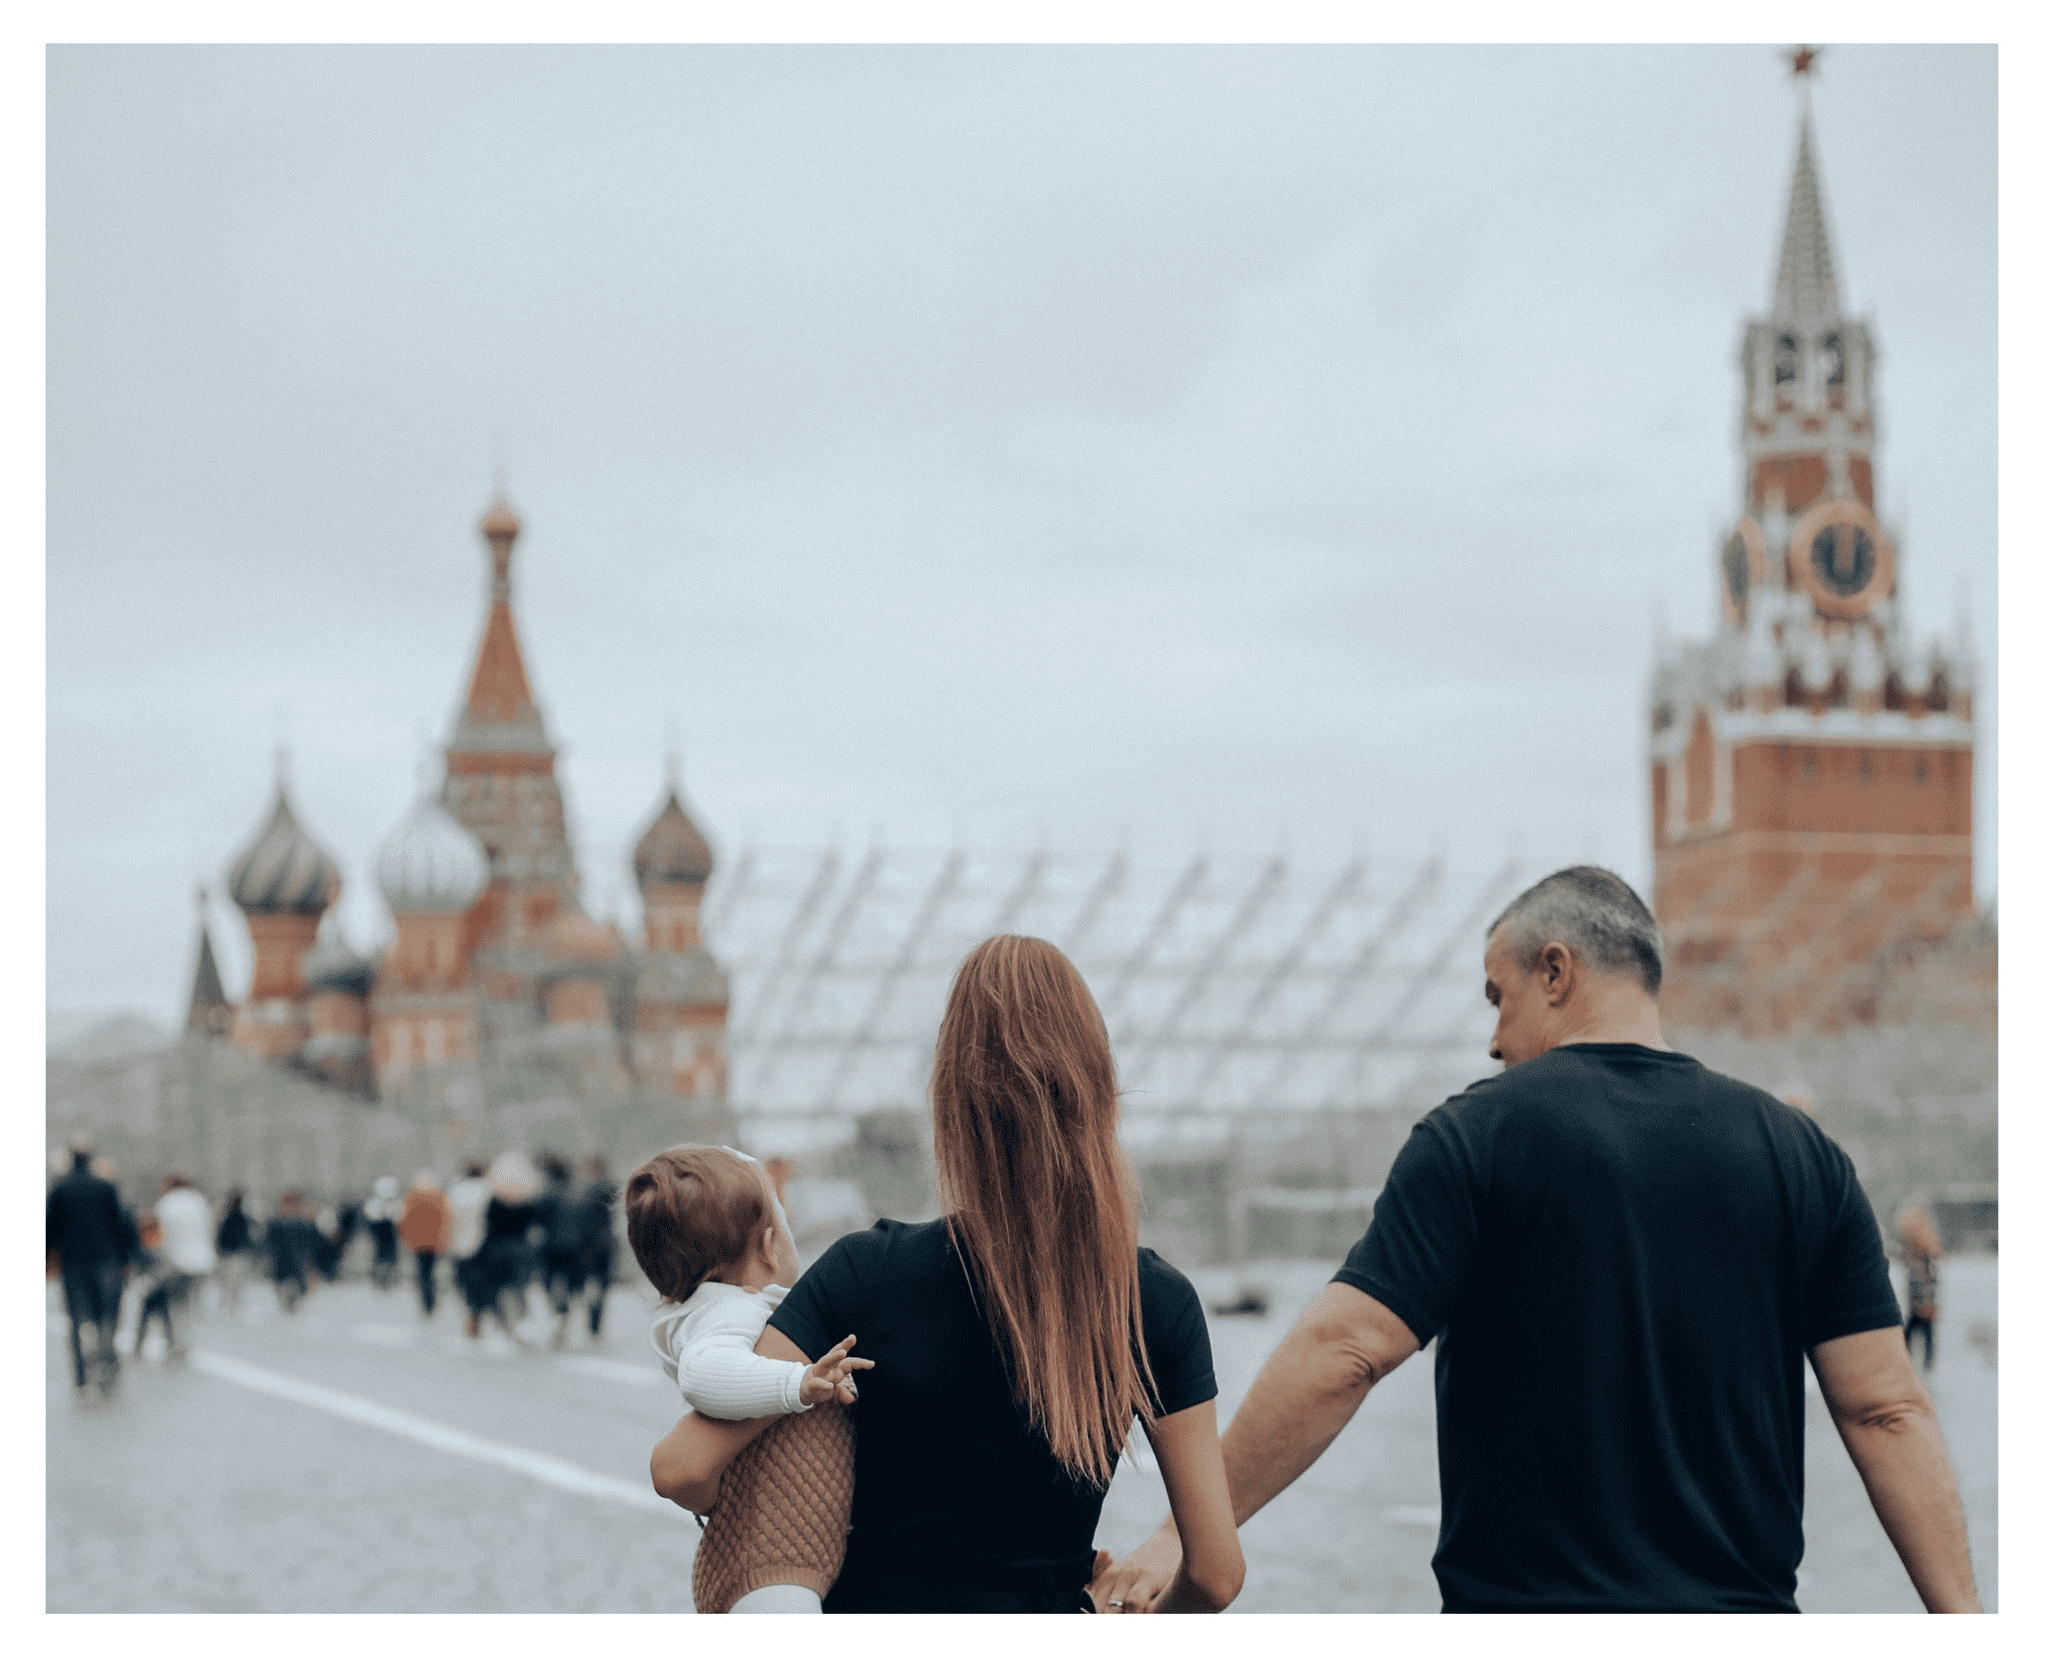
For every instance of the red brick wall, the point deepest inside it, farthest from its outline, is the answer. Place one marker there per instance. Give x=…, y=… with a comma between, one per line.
x=1802, y=479
x=280, y=942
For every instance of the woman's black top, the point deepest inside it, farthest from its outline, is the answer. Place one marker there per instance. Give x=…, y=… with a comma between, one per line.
x=952, y=1486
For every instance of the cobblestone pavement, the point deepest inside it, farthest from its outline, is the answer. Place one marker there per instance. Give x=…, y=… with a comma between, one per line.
x=192, y=1490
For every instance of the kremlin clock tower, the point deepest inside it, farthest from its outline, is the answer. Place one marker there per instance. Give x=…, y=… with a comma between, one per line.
x=1810, y=765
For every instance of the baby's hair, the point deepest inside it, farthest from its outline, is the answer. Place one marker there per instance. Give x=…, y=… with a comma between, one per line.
x=691, y=1210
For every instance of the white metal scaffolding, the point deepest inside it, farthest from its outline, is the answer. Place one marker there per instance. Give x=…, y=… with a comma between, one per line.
x=1241, y=992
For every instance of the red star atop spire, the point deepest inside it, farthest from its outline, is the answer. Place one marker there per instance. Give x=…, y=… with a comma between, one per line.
x=1801, y=58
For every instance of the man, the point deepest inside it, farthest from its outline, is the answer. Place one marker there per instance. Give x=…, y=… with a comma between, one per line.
x=292, y=1244
x=234, y=1243
x=86, y=1241
x=187, y=1221
x=380, y=1215
x=596, y=1205
x=561, y=1250
x=1621, y=1258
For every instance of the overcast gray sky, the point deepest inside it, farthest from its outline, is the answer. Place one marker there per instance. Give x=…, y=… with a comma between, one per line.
x=1231, y=446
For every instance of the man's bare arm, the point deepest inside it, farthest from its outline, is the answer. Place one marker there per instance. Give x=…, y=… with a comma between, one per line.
x=1887, y=1422
x=1301, y=1399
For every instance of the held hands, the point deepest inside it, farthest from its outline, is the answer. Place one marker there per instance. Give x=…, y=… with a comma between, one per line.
x=831, y=1378
x=1135, y=1585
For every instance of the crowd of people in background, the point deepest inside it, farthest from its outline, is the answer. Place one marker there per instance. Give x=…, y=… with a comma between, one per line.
x=500, y=1230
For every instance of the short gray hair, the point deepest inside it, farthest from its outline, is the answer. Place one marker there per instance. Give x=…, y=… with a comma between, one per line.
x=1595, y=914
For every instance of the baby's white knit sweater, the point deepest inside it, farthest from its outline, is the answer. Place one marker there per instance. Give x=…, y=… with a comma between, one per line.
x=707, y=1345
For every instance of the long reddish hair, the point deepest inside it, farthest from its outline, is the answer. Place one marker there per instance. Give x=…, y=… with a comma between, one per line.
x=1040, y=1197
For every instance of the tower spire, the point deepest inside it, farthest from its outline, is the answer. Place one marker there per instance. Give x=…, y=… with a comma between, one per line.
x=498, y=712
x=1806, y=290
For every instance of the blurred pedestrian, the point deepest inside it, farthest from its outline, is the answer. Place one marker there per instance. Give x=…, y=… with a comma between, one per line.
x=152, y=1280
x=185, y=1220
x=337, y=1226
x=511, y=1226
x=234, y=1248
x=597, y=1203
x=423, y=1223
x=1920, y=1244
x=293, y=1244
x=86, y=1245
x=467, y=1200
x=380, y=1216
x=561, y=1248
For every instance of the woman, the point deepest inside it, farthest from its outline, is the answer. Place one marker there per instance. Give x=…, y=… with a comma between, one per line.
x=1015, y=1339
x=423, y=1222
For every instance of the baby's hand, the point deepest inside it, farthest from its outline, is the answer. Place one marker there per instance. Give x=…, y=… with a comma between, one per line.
x=831, y=1378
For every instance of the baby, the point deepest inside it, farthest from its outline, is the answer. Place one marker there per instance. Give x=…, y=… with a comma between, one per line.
x=710, y=1234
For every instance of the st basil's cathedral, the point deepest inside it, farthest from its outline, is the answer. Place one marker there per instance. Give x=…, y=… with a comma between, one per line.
x=497, y=985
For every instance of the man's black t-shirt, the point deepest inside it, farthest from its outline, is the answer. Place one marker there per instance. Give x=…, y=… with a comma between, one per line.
x=1623, y=1257
x=951, y=1483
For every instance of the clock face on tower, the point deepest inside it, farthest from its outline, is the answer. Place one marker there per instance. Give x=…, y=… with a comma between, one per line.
x=1842, y=558
x=1742, y=568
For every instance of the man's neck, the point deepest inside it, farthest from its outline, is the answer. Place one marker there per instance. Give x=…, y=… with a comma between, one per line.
x=1624, y=1016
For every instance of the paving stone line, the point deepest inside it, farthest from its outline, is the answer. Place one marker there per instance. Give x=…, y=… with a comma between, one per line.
x=538, y=1466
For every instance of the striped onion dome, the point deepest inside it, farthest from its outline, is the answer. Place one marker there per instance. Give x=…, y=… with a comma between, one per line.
x=672, y=851
x=283, y=871
x=432, y=864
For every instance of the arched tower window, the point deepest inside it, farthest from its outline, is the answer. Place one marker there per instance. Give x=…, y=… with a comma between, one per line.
x=1785, y=361
x=1894, y=693
x=1937, y=692
x=1795, y=688
x=1834, y=363
x=1838, y=689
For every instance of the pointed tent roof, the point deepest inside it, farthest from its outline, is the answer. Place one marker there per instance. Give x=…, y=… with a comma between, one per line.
x=209, y=999
x=1806, y=292
x=498, y=713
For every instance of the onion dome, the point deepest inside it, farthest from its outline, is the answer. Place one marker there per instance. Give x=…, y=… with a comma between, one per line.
x=331, y=964
x=283, y=871
x=671, y=851
x=432, y=864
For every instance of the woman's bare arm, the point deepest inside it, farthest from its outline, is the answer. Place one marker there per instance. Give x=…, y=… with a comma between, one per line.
x=1300, y=1401
x=1211, y=1570
x=690, y=1458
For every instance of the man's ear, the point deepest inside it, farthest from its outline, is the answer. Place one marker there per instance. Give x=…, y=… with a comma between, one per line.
x=1560, y=969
